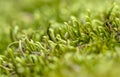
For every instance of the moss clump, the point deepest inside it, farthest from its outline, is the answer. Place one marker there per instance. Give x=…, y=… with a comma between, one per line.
x=49, y=38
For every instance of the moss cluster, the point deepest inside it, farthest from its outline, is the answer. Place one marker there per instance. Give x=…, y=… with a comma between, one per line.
x=60, y=38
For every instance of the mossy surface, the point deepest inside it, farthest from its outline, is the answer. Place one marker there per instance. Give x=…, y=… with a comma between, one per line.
x=59, y=38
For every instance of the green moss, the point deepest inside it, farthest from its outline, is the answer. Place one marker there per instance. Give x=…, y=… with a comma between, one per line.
x=59, y=38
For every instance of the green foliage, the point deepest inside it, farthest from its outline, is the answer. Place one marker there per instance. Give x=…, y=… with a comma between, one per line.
x=60, y=38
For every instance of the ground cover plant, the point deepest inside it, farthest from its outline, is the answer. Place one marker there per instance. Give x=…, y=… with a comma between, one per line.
x=59, y=38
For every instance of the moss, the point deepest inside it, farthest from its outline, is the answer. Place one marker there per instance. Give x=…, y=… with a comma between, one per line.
x=59, y=38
